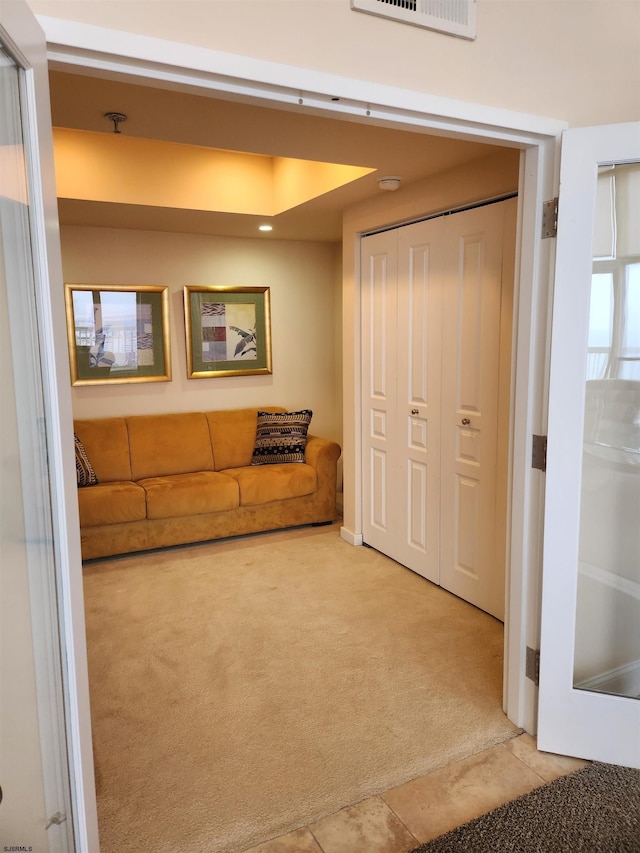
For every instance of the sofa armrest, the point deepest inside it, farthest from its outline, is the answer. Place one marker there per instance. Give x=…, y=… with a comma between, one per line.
x=321, y=451
x=323, y=454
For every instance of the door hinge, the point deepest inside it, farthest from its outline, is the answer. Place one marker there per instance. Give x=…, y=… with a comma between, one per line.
x=532, y=667
x=550, y=218
x=539, y=452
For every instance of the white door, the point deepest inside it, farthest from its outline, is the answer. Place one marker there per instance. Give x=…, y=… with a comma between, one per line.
x=401, y=394
x=379, y=366
x=417, y=407
x=434, y=322
x=44, y=805
x=589, y=703
x=401, y=322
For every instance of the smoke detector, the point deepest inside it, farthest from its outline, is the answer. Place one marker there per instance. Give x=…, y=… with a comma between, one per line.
x=389, y=183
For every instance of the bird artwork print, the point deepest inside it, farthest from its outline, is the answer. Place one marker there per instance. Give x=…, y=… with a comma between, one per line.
x=247, y=342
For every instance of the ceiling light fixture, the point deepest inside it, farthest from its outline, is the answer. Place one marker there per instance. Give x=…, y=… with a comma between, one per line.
x=390, y=183
x=116, y=118
x=265, y=227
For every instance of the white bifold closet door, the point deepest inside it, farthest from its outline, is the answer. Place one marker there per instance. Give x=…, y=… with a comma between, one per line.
x=436, y=349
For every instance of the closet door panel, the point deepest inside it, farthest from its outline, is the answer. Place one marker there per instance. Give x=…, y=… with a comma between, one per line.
x=467, y=512
x=418, y=395
x=379, y=435
x=468, y=264
x=470, y=566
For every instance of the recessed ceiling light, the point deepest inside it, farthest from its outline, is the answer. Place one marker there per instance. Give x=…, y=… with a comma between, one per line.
x=265, y=227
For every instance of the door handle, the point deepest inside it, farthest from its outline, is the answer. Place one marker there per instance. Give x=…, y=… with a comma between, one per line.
x=415, y=411
x=466, y=421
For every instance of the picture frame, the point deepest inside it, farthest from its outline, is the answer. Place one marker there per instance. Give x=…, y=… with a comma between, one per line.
x=118, y=334
x=228, y=331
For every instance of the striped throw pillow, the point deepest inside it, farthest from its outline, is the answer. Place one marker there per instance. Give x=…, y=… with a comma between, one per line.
x=84, y=469
x=281, y=437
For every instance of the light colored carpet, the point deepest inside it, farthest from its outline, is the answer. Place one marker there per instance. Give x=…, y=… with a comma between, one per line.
x=241, y=689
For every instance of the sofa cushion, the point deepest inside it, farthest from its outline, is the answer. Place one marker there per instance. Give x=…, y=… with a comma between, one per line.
x=169, y=444
x=189, y=494
x=262, y=484
x=281, y=437
x=233, y=434
x=111, y=503
x=85, y=475
x=106, y=442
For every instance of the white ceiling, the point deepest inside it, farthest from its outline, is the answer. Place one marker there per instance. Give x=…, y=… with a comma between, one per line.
x=80, y=102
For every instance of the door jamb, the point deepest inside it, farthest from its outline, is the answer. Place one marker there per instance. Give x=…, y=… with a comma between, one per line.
x=160, y=62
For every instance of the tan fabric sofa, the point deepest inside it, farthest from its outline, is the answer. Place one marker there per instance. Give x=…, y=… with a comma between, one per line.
x=176, y=478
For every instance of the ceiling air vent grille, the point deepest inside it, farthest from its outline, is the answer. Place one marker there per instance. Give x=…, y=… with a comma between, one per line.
x=456, y=17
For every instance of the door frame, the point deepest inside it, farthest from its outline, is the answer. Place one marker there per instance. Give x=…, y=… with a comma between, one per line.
x=96, y=50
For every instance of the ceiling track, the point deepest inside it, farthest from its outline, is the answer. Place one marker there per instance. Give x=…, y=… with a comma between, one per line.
x=441, y=213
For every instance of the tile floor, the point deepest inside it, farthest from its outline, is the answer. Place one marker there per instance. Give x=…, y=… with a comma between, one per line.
x=405, y=817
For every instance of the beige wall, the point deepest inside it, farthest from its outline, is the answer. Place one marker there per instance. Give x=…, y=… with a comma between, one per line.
x=305, y=296
x=576, y=60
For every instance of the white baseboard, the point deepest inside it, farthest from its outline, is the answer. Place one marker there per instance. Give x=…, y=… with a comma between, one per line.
x=351, y=538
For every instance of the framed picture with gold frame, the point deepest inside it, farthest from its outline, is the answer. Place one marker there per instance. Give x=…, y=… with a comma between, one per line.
x=228, y=331
x=118, y=334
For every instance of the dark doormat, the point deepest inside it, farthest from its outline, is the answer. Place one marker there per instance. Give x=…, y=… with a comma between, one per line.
x=596, y=810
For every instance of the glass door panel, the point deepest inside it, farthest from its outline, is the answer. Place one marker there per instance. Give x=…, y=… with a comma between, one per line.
x=35, y=811
x=607, y=637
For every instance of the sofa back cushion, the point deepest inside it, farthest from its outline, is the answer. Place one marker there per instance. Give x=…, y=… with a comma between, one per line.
x=106, y=443
x=233, y=435
x=161, y=445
